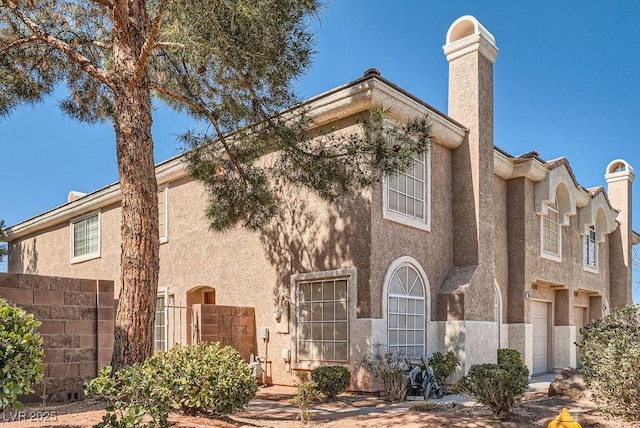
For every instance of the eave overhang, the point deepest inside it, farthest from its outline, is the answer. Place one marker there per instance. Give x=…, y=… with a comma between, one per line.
x=361, y=95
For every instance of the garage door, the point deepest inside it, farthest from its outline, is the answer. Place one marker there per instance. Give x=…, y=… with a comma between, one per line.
x=540, y=342
x=578, y=321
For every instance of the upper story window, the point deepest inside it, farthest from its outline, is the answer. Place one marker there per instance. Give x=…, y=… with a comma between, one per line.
x=85, y=238
x=163, y=213
x=551, y=235
x=406, y=194
x=591, y=249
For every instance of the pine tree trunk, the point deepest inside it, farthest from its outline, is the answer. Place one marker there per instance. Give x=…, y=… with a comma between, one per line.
x=140, y=241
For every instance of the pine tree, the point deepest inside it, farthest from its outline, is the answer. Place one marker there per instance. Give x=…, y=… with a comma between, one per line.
x=100, y=49
x=228, y=63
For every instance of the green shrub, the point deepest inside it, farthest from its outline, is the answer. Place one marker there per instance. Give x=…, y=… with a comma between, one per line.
x=509, y=356
x=389, y=370
x=20, y=354
x=444, y=365
x=196, y=378
x=498, y=386
x=132, y=393
x=331, y=380
x=610, y=352
x=209, y=377
x=306, y=392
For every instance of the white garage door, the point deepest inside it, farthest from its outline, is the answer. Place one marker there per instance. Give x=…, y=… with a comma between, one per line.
x=540, y=342
x=578, y=321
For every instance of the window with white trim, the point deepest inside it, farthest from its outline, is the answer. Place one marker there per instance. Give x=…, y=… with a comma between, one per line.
x=406, y=194
x=323, y=319
x=591, y=249
x=163, y=194
x=551, y=234
x=406, y=312
x=160, y=324
x=85, y=237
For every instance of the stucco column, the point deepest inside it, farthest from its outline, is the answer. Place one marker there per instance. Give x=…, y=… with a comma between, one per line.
x=466, y=300
x=619, y=178
x=471, y=52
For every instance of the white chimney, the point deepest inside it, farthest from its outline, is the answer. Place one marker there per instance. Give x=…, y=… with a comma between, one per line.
x=73, y=195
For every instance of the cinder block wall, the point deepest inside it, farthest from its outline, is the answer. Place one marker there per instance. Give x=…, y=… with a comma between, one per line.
x=230, y=325
x=77, y=317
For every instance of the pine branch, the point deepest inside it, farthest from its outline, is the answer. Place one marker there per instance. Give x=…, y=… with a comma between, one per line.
x=161, y=45
x=105, y=3
x=18, y=42
x=177, y=96
x=40, y=34
x=150, y=43
x=196, y=107
x=102, y=45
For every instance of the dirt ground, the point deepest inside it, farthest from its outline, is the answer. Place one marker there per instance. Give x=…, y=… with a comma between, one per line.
x=272, y=408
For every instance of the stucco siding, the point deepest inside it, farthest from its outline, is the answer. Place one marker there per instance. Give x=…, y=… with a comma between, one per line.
x=431, y=249
x=501, y=246
x=482, y=230
x=48, y=252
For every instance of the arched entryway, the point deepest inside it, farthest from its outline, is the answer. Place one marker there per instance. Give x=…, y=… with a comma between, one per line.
x=201, y=294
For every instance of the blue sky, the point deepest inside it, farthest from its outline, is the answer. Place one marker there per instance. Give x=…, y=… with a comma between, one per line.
x=565, y=85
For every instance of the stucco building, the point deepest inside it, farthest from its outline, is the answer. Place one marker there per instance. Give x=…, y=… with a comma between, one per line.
x=471, y=249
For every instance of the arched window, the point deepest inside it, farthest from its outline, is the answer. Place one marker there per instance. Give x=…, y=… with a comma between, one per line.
x=406, y=312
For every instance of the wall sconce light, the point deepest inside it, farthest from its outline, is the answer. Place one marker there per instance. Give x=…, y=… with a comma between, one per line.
x=604, y=308
x=527, y=294
x=277, y=314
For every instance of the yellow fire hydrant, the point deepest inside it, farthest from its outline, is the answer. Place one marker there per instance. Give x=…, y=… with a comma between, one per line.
x=564, y=420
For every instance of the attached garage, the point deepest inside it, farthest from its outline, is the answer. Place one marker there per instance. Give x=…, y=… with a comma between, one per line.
x=540, y=323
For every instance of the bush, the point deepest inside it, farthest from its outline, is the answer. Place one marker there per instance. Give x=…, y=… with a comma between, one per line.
x=610, y=351
x=20, y=354
x=132, y=393
x=498, y=386
x=389, y=370
x=509, y=357
x=208, y=377
x=306, y=392
x=196, y=378
x=331, y=380
x=444, y=365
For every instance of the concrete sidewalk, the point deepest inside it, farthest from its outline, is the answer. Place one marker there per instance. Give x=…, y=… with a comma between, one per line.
x=274, y=403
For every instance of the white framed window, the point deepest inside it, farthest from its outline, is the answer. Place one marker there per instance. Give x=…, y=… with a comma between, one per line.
x=163, y=213
x=406, y=312
x=85, y=238
x=322, y=316
x=551, y=234
x=406, y=194
x=160, y=323
x=591, y=249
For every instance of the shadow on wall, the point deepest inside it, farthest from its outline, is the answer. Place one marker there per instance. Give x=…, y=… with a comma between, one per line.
x=304, y=238
x=27, y=258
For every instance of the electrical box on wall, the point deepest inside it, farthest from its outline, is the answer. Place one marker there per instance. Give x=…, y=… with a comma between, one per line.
x=264, y=333
x=286, y=354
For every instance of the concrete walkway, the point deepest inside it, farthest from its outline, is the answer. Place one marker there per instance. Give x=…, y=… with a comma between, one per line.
x=541, y=382
x=265, y=405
